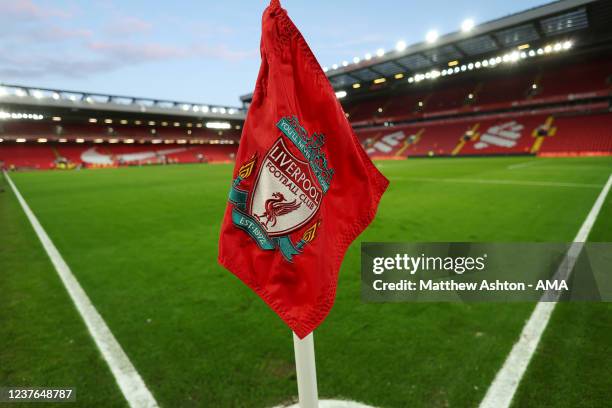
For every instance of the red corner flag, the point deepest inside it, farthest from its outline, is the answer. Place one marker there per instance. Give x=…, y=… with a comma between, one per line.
x=303, y=187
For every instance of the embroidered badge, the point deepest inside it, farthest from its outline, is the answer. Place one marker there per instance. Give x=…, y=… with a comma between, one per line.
x=287, y=192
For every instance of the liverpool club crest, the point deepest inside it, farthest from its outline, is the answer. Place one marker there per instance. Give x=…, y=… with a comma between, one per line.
x=287, y=192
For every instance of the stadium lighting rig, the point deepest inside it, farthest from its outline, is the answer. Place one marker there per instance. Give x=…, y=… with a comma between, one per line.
x=20, y=116
x=454, y=67
x=467, y=42
x=510, y=57
x=218, y=125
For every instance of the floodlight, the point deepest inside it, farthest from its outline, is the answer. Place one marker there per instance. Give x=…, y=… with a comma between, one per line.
x=467, y=25
x=218, y=125
x=432, y=36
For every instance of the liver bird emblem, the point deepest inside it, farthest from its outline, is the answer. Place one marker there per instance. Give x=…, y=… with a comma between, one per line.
x=275, y=207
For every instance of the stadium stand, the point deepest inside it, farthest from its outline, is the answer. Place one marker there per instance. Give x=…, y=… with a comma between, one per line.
x=43, y=156
x=503, y=135
x=554, y=109
x=107, y=146
x=502, y=91
x=92, y=131
x=579, y=135
x=27, y=156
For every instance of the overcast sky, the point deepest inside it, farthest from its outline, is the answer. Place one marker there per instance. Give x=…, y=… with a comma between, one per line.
x=201, y=51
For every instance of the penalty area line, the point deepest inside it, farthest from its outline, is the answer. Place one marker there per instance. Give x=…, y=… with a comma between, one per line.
x=506, y=382
x=131, y=384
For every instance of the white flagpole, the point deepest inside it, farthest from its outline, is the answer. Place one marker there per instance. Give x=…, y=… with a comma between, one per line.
x=306, y=371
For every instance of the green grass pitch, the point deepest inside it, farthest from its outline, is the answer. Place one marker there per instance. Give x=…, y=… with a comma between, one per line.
x=143, y=241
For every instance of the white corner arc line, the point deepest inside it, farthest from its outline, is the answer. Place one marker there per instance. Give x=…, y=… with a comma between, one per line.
x=332, y=404
x=506, y=382
x=131, y=384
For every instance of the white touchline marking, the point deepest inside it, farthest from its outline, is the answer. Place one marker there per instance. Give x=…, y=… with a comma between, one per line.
x=502, y=182
x=508, y=378
x=131, y=384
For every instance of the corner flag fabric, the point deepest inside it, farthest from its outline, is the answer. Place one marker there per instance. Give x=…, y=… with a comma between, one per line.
x=303, y=188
